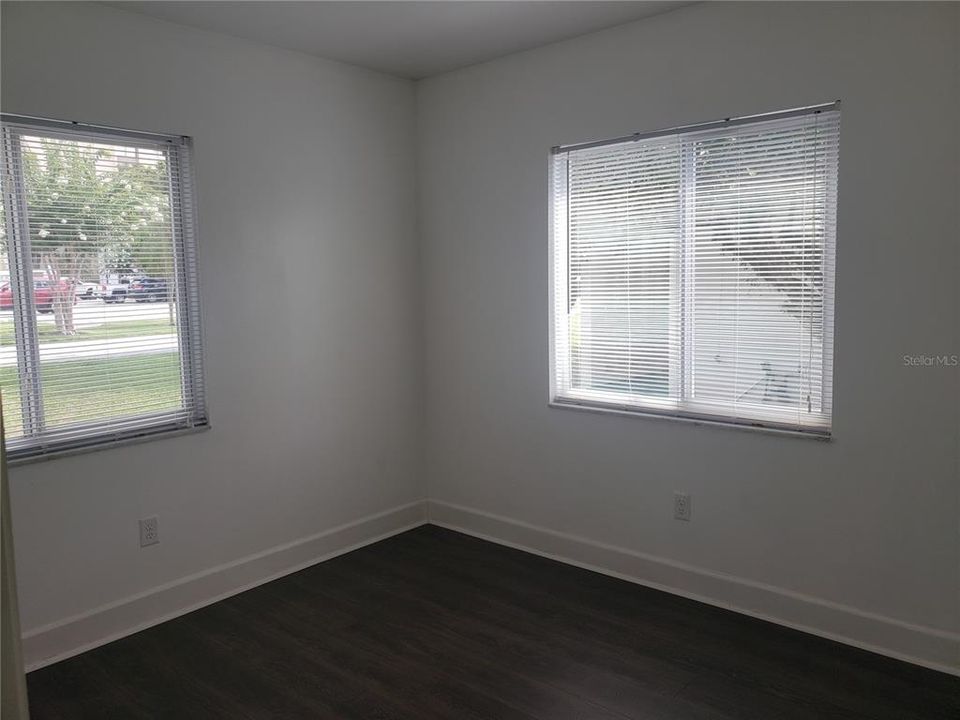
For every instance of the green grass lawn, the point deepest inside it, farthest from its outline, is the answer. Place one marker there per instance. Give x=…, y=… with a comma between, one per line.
x=110, y=387
x=126, y=328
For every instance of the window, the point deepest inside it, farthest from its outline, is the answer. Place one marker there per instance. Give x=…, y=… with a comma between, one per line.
x=99, y=303
x=692, y=271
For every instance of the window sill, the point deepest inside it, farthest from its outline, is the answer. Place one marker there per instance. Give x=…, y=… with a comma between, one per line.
x=748, y=426
x=146, y=435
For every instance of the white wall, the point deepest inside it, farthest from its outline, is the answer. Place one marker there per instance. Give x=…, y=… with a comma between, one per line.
x=309, y=281
x=864, y=528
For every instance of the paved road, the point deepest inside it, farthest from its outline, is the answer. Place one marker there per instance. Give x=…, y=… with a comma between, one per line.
x=96, y=312
x=91, y=313
x=87, y=349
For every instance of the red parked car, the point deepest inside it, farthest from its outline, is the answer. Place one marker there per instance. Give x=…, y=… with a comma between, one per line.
x=42, y=296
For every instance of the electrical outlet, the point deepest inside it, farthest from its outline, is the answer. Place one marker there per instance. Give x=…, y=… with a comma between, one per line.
x=149, y=531
x=681, y=506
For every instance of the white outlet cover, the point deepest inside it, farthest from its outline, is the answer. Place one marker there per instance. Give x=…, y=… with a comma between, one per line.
x=149, y=531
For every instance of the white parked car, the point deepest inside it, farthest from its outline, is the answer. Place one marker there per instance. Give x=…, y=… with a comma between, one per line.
x=87, y=290
x=115, y=292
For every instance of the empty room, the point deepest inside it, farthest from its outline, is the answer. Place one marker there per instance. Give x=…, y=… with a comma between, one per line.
x=520, y=360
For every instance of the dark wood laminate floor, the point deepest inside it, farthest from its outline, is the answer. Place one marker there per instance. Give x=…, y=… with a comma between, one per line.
x=435, y=624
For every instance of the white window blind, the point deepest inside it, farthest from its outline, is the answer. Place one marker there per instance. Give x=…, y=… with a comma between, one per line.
x=693, y=271
x=99, y=300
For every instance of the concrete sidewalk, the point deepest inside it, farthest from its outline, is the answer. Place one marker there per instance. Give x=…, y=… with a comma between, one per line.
x=90, y=349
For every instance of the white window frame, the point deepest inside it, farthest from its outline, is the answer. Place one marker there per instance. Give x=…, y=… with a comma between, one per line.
x=32, y=446
x=678, y=406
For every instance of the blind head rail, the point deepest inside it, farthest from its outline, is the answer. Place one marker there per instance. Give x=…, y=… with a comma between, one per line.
x=73, y=127
x=712, y=125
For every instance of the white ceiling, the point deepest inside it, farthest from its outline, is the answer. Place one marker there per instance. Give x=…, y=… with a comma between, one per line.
x=409, y=39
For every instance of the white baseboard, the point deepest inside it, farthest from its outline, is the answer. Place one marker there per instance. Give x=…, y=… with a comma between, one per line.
x=71, y=636
x=926, y=646
x=929, y=647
